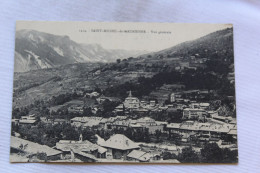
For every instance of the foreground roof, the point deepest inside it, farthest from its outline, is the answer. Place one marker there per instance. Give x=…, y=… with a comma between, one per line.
x=87, y=155
x=32, y=147
x=167, y=161
x=121, y=142
x=66, y=145
x=136, y=154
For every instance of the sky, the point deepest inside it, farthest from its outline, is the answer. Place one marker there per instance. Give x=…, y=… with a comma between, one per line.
x=150, y=37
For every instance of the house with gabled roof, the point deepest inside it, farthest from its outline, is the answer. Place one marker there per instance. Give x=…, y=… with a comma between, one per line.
x=141, y=156
x=71, y=148
x=135, y=155
x=119, y=146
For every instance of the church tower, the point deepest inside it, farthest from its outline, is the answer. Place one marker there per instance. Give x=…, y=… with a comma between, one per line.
x=130, y=94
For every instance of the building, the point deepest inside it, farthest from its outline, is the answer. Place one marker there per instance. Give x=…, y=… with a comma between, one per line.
x=92, y=95
x=60, y=121
x=28, y=120
x=173, y=127
x=222, y=118
x=210, y=131
x=204, y=105
x=120, y=108
x=131, y=102
x=152, y=103
x=31, y=150
x=46, y=120
x=135, y=155
x=119, y=146
x=85, y=121
x=172, y=97
x=150, y=124
x=15, y=121
x=119, y=124
x=102, y=98
x=141, y=156
x=69, y=148
x=168, y=161
x=75, y=109
x=190, y=113
x=212, y=113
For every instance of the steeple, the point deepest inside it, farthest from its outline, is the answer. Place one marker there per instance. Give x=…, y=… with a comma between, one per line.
x=80, y=138
x=130, y=93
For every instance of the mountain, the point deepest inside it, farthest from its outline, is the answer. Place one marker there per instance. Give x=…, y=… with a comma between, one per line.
x=216, y=48
x=37, y=50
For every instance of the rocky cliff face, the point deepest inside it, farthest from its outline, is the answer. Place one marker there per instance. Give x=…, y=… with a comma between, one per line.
x=37, y=50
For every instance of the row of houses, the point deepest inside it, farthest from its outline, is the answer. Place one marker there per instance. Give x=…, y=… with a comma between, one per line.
x=117, y=148
x=217, y=124
x=133, y=104
x=119, y=122
x=212, y=130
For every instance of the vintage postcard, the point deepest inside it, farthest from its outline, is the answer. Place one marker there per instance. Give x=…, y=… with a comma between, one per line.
x=123, y=93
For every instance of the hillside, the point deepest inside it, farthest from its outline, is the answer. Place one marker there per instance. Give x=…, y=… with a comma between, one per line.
x=219, y=42
x=212, y=53
x=217, y=47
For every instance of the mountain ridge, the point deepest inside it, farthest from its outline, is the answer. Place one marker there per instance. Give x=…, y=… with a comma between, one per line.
x=213, y=53
x=36, y=50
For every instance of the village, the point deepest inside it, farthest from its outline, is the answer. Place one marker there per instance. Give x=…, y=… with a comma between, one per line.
x=136, y=130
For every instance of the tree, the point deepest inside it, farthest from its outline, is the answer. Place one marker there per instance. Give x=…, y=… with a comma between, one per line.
x=118, y=61
x=69, y=132
x=87, y=111
x=176, y=137
x=229, y=156
x=188, y=155
x=158, y=134
x=129, y=133
x=167, y=155
x=89, y=135
x=147, y=135
x=211, y=153
x=109, y=106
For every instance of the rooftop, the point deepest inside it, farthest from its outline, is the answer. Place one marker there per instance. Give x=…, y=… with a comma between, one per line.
x=86, y=119
x=174, y=125
x=167, y=161
x=27, y=121
x=121, y=142
x=66, y=145
x=32, y=147
x=232, y=132
x=91, y=123
x=99, y=140
x=136, y=154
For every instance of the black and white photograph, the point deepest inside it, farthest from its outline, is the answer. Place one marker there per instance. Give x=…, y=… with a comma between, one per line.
x=121, y=92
